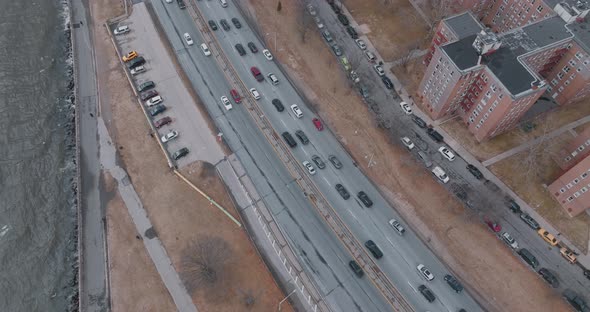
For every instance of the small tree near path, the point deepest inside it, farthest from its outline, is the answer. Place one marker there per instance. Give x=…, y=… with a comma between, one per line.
x=204, y=263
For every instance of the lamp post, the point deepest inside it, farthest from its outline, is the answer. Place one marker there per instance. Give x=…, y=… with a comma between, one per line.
x=275, y=40
x=289, y=295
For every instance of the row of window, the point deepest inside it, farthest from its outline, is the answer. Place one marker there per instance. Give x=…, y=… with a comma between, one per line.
x=575, y=152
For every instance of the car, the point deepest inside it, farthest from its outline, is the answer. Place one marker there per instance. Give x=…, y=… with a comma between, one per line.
x=374, y=249
x=421, y=123
x=408, y=143
x=137, y=70
x=370, y=56
x=236, y=22
x=434, y=135
x=343, y=19
x=252, y=47
x=334, y=6
x=493, y=226
x=361, y=44
x=318, y=22
x=162, y=122
x=336, y=49
x=180, y=153
x=387, y=82
x=224, y=24
x=474, y=171
x=427, y=293
x=154, y=101
x=447, y=153
x=148, y=95
x=121, y=30
x=514, y=206
x=356, y=268
x=509, y=240
x=169, y=136
x=289, y=139
x=405, y=107
x=352, y=32
x=548, y=237
x=138, y=61
x=575, y=300
x=188, y=39
x=318, y=124
x=549, y=277
x=327, y=35
x=568, y=255
x=181, y=4
x=425, y=159
x=240, y=48
x=530, y=221
x=298, y=113
x=255, y=93
x=309, y=167
x=158, y=109
x=425, y=272
x=205, y=49
x=335, y=161
x=454, y=283
x=311, y=10
x=213, y=25
x=236, y=96
x=587, y=273
x=379, y=70
x=317, y=160
x=397, y=226
x=342, y=191
x=129, y=56
x=278, y=105
x=302, y=137
x=146, y=86
x=273, y=79
x=256, y=73
x=225, y=102
x=364, y=199
x=168, y=1
x=364, y=92
x=267, y=54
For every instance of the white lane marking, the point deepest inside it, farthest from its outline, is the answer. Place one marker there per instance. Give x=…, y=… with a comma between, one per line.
x=327, y=182
x=392, y=244
x=412, y=287
x=352, y=214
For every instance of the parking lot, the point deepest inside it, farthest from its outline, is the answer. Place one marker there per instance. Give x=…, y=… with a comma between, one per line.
x=187, y=120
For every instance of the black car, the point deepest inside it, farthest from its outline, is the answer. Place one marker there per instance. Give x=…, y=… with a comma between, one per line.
x=138, y=61
x=224, y=25
x=318, y=161
x=342, y=191
x=343, y=19
x=335, y=161
x=289, y=139
x=336, y=50
x=575, y=300
x=252, y=47
x=530, y=221
x=417, y=120
x=335, y=7
x=549, y=277
x=587, y=274
x=352, y=32
x=454, y=283
x=528, y=257
x=181, y=4
x=387, y=82
x=364, y=92
x=356, y=268
x=148, y=95
x=278, y=105
x=374, y=249
x=146, y=86
x=213, y=25
x=240, y=49
x=427, y=293
x=512, y=205
x=160, y=108
x=180, y=153
x=236, y=23
x=433, y=134
x=302, y=137
x=365, y=199
x=475, y=172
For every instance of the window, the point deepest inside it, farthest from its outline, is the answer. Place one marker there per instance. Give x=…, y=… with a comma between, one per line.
x=560, y=89
x=579, y=69
x=576, y=180
x=560, y=75
x=584, y=189
x=569, y=185
x=579, y=55
x=500, y=96
x=572, y=63
x=567, y=83
x=581, y=148
x=562, y=190
x=569, y=199
x=554, y=82
x=584, y=175
x=577, y=194
x=566, y=69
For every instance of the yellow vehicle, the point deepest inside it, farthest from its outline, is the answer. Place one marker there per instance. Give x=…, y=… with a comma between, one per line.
x=131, y=55
x=568, y=255
x=548, y=237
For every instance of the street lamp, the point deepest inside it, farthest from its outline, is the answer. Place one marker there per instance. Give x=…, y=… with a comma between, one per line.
x=275, y=35
x=289, y=295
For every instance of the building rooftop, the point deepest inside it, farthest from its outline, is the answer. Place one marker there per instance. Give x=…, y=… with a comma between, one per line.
x=463, y=25
x=581, y=32
x=547, y=31
x=505, y=65
x=462, y=52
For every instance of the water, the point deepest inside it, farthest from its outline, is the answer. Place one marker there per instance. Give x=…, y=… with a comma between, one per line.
x=37, y=198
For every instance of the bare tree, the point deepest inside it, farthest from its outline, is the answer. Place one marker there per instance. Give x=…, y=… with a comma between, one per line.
x=204, y=263
x=537, y=154
x=440, y=9
x=304, y=20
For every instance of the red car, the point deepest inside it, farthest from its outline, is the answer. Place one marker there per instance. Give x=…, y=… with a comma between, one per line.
x=236, y=96
x=162, y=122
x=256, y=73
x=494, y=226
x=318, y=124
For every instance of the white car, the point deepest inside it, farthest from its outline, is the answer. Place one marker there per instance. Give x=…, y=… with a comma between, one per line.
x=311, y=10
x=318, y=22
x=205, y=49
x=296, y=111
x=273, y=79
x=226, y=103
x=255, y=93
x=397, y=226
x=309, y=167
x=425, y=272
x=169, y=136
x=267, y=54
x=168, y=1
x=509, y=240
x=446, y=152
x=379, y=70
x=154, y=101
x=361, y=44
x=121, y=30
x=188, y=39
x=137, y=70
x=406, y=108
x=408, y=143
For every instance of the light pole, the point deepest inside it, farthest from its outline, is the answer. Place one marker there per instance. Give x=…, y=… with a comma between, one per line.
x=275, y=35
x=289, y=295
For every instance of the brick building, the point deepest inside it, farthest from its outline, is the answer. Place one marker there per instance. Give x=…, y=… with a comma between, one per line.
x=571, y=188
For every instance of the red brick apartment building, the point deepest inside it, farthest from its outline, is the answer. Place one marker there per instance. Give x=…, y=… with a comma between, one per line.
x=492, y=79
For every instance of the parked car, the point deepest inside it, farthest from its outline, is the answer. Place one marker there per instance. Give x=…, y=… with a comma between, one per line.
x=575, y=300
x=236, y=96
x=447, y=153
x=278, y=105
x=129, y=56
x=302, y=137
x=267, y=54
x=298, y=113
x=317, y=160
x=224, y=24
x=121, y=30
x=379, y=69
x=509, y=240
x=137, y=70
x=454, y=283
x=252, y=47
x=494, y=226
x=361, y=44
x=148, y=95
x=342, y=191
x=365, y=199
x=188, y=39
x=568, y=255
x=256, y=73
x=309, y=167
x=255, y=93
x=433, y=134
x=327, y=35
x=512, y=205
x=318, y=22
x=364, y=92
x=205, y=49
x=374, y=249
x=528, y=257
x=407, y=142
x=530, y=221
x=397, y=226
x=180, y=153
x=225, y=102
x=240, y=49
x=311, y=10
x=343, y=19
x=425, y=159
x=421, y=123
x=427, y=293
x=154, y=101
x=549, y=277
x=318, y=124
x=213, y=25
x=352, y=32
x=406, y=108
x=387, y=82
x=370, y=56
x=146, y=86
x=356, y=268
x=136, y=62
x=335, y=161
x=236, y=23
x=169, y=136
x=587, y=273
x=158, y=109
x=548, y=237
x=440, y=174
x=162, y=122
x=336, y=49
x=474, y=171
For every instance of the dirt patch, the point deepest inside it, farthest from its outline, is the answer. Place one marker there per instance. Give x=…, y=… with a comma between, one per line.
x=455, y=234
x=410, y=74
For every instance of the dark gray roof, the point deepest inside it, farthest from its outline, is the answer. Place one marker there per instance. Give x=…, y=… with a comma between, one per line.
x=547, y=31
x=513, y=75
x=463, y=25
x=462, y=52
x=581, y=32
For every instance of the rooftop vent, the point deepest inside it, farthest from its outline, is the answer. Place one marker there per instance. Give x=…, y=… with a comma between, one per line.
x=486, y=42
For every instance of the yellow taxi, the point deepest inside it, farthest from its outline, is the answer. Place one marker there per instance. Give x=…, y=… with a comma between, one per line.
x=129, y=56
x=548, y=237
x=568, y=255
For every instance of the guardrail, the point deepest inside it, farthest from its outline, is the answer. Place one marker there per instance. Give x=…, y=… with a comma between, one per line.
x=379, y=279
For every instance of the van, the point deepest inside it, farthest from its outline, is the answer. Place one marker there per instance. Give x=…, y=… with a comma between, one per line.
x=289, y=139
x=528, y=257
x=440, y=174
x=425, y=159
x=223, y=3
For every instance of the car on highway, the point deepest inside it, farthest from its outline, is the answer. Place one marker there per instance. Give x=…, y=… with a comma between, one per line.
x=494, y=226
x=548, y=237
x=379, y=70
x=236, y=22
x=180, y=153
x=298, y=113
x=136, y=62
x=530, y=221
x=549, y=277
x=418, y=121
x=387, y=82
x=513, y=206
x=309, y=167
x=318, y=124
x=327, y=35
x=213, y=25
x=352, y=32
x=267, y=54
x=397, y=226
x=568, y=255
x=146, y=86
x=273, y=79
x=255, y=93
x=336, y=48
x=224, y=24
x=454, y=283
x=162, y=122
x=158, y=109
x=121, y=30
x=225, y=102
x=317, y=160
x=474, y=171
x=361, y=44
x=509, y=240
x=154, y=101
x=256, y=73
x=434, y=135
x=278, y=105
x=356, y=268
x=427, y=293
x=425, y=272
x=302, y=137
x=148, y=95
x=342, y=191
x=407, y=142
x=406, y=108
x=129, y=56
x=374, y=249
x=528, y=257
x=240, y=48
x=236, y=96
x=188, y=39
x=252, y=47
x=289, y=139
x=343, y=19
x=335, y=161
x=447, y=153
x=169, y=136
x=364, y=199
x=205, y=49
x=137, y=70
